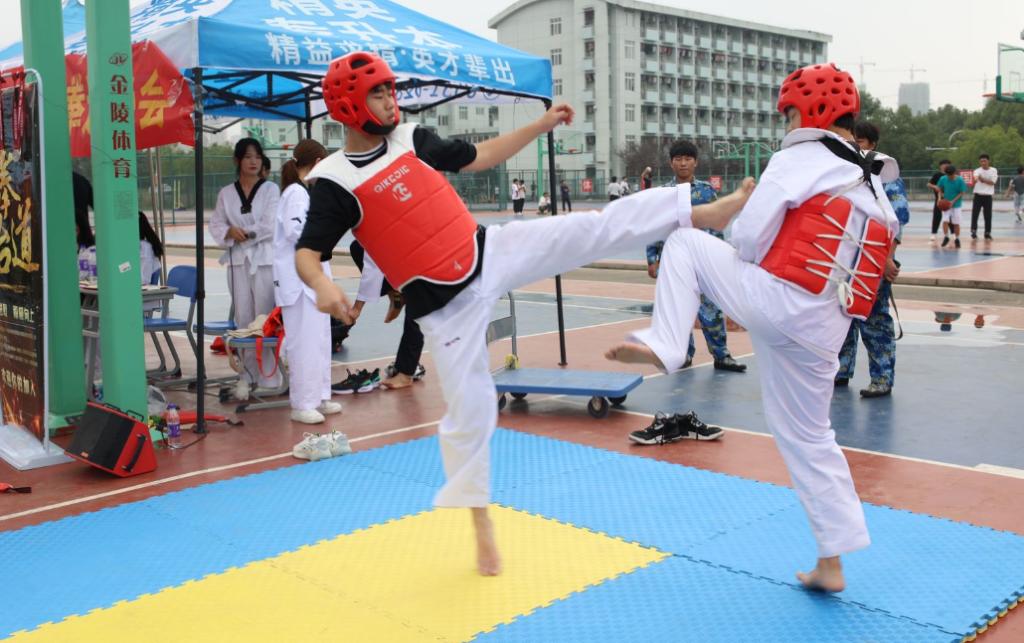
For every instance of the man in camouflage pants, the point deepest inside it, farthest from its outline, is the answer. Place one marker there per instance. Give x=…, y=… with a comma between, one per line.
x=683, y=158
x=877, y=331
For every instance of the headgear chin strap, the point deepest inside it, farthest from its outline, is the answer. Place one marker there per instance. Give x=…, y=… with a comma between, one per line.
x=348, y=83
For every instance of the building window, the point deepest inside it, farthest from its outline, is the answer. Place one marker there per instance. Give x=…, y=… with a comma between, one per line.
x=630, y=113
x=556, y=26
x=630, y=82
x=630, y=140
x=588, y=17
x=630, y=49
x=556, y=87
x=480, y=111
x=442, y=120
x=463, y=113
x=556, y=57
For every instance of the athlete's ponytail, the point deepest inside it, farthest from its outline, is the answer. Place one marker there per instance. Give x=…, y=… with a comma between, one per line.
x=305, y=156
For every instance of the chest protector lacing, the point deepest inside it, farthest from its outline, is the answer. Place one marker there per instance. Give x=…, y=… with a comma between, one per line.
x=805, y=251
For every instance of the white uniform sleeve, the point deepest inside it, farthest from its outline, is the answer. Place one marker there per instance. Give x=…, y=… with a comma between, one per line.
x=292, y=210
x=371, y=281
x=755, y=228
x=265, y=219
x=219, y=223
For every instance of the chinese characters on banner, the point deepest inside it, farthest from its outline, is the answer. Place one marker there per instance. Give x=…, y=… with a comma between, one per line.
x=363, y=25
x=21, y=278
x=716, y=182
x=163, y=102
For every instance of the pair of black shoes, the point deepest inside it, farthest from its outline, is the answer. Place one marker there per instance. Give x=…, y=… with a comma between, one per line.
x=666, y=429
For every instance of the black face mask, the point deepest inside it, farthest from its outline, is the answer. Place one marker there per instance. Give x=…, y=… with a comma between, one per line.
x=378, y=130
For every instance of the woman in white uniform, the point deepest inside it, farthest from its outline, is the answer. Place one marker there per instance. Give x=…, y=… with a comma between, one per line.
x=307, y=343
x=243, y=224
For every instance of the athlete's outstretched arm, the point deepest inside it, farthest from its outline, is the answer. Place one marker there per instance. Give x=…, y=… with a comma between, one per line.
x=493, y=151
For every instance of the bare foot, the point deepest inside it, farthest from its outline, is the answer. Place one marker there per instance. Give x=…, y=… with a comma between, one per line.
x=396, y=381
x=826, y=577
x=488, y=560
x=632, y=353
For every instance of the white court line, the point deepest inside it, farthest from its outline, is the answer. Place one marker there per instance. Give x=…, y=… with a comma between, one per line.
x=192, y=474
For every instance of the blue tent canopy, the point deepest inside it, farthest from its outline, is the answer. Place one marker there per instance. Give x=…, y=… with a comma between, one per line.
x=73, y=15
x=265, y=58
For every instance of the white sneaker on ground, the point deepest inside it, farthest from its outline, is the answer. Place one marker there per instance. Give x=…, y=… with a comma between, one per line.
x=338, y=443
x=307, y=416
x=313, y=447
x=327, y=407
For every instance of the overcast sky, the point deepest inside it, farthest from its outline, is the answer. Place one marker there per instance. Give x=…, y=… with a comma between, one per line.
x=954, y=41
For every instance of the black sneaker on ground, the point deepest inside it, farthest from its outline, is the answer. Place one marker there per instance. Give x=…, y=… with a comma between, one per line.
x=945, y=241
x=662, y=430
x=841, y=382
x=974, y=235
x=348, y=385
x=957, y=242
x=727, y=363
x=988, y=237
x=690, y=427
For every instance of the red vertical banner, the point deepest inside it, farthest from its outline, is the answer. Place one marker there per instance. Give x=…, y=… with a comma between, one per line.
x=163, y=101
x=716, y=182
x=968, y=177
x=587, y=185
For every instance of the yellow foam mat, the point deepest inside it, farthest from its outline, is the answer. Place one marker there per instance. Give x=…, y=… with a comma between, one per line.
x=412, y=579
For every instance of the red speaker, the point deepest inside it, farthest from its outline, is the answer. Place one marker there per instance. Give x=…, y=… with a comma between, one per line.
x=113, y=440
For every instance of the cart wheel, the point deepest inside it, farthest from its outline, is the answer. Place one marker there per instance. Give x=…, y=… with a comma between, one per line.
x=617, y=401
x=502, y=401
x=511, y=362
x=598, y=407
x=519, y=396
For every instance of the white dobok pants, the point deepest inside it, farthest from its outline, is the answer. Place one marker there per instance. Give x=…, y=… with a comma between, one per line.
x=307, y=347
x=516, y=254
x=252, y=295
x=796, y=383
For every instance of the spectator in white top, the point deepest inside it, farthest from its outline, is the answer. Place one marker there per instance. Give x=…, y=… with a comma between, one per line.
x=518, y=197
x=614, y=189
x=1016, y=188
x=985, y=178
x=625, y=187
x=544, y=204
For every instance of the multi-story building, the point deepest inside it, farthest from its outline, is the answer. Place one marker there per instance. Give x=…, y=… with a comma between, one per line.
x=916, y=96
x=636, y=71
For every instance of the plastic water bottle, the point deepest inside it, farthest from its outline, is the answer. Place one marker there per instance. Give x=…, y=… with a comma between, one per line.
x=173, y=426
x=92, y=264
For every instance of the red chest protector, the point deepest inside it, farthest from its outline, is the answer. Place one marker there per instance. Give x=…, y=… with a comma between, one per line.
x=414, y=224
x=805, y=251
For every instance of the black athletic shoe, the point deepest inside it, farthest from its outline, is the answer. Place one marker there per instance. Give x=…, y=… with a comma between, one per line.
x=690, y=427
x=688, y=363
x=988, y=237
x=974, y=235
x=841, y=382
x=945, y=241
x=347, y=385
x=956, y=242
x=662, y=430
x=727, y=363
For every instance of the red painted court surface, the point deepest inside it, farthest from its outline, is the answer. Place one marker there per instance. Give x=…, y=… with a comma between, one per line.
x=948, y=443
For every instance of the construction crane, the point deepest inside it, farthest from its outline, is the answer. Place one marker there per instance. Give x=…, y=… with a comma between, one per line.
x=860, y=66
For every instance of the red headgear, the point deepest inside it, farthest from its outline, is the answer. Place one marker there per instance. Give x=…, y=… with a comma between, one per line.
x=821, y=93
x=347, y=84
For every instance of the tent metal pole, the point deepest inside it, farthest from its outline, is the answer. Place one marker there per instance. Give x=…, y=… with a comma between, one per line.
x=554, y=212
x=197, y=95
x=309, y=116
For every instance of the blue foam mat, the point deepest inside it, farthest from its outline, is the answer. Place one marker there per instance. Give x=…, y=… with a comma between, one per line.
x=926, y=574
x=952, y=575
x=682, y=600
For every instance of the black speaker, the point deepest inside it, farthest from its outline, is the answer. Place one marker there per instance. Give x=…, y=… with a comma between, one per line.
x=110, y=439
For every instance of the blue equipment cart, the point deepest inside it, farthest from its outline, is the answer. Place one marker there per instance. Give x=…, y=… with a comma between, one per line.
x=604, y=388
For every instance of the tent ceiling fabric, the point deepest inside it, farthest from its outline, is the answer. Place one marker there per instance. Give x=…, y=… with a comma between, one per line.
x=281, y=48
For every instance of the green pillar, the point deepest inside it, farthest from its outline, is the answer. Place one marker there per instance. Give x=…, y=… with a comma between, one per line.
x=116, y=197
x=44, y=51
